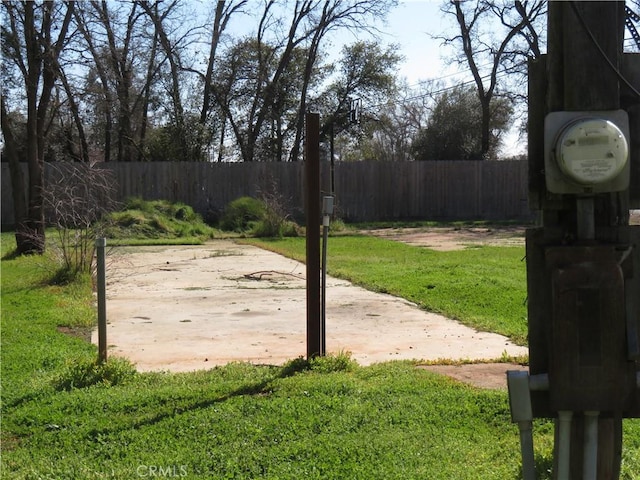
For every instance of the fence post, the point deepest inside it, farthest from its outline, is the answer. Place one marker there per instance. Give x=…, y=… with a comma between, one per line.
x=101, y=244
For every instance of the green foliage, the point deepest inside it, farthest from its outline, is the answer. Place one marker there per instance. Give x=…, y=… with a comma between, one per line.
x=327, y=418
x=340, y=362
x=453, y=131
x=81, y=374
x=242, y=214
x=265, y=217
x=273, y=225
x=364, y=70
x=157, y=219
x=175, y=143
x=338, y=226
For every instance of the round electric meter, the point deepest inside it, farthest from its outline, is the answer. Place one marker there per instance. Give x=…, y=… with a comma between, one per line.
x=592, y=151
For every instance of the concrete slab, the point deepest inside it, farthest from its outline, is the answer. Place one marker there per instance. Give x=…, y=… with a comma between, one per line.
x=190, y=308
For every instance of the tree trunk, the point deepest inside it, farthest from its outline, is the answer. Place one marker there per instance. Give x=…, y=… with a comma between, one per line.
x=17, y=175
x=30, y=231
x=485, y=139
x=75, y=112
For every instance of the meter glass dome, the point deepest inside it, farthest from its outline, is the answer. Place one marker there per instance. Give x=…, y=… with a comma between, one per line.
x=592, y=151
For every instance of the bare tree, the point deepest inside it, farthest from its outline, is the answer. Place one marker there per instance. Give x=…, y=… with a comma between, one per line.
x=78, y=197
x=74, y=109
x=392, y=126
x=284, y=53
x=500, y=51
x=122, y=67
x=33, y=38
x=172, y=40
x=335, y=14
x=223, y=13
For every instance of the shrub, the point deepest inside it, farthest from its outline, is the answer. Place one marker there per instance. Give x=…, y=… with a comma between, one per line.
x=156, y=219
x=275, y=222
x=241, y=214
x=338, y=226
x=340, y=362
x=165, y=208
x=84, y=374
x=275, y=226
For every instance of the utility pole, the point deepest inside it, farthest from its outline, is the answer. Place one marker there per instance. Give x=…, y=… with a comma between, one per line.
x=583, y=260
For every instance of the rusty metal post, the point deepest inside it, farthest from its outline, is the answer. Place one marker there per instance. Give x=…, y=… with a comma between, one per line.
x=101, y=244
x=312, y=210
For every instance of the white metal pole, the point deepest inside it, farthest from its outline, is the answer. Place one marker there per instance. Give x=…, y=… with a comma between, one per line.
x=564, y=444
x=590, y=458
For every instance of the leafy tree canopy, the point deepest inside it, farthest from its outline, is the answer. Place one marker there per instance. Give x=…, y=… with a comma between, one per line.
x=453, y=129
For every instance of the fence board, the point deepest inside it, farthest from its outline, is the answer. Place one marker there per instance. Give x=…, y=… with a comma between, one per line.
x=365, y=191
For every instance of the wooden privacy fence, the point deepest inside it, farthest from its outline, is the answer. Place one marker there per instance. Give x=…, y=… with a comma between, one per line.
x=365, y=191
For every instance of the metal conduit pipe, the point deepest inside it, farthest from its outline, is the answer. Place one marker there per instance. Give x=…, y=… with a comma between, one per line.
x=590, y=459
x=521, y=413
x=564, y=444
x=526, y=449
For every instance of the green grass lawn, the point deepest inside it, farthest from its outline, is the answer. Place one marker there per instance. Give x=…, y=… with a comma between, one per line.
x=65, y=418
x=484, y=287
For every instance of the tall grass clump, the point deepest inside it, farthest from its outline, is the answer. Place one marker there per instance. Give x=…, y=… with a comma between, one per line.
x=157, y=219
x=276, y=220
x=241, y=214
x=264, y=217
x=82, y=374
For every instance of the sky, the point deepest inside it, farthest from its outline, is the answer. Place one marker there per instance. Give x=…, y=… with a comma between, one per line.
x=411, y=25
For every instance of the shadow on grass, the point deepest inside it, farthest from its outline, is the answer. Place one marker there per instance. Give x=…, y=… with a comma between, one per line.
x=328, y=364
x=11, y=255
x=263, y=387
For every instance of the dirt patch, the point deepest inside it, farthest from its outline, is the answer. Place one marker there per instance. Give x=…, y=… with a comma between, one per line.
x=454, y=238
x=83, y=333
x=457, y=238
x=482, y=375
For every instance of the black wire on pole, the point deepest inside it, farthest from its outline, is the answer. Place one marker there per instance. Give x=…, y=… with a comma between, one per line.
x=600, y=50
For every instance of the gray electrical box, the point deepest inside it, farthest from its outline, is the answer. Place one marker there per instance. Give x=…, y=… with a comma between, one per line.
x=586, y=152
